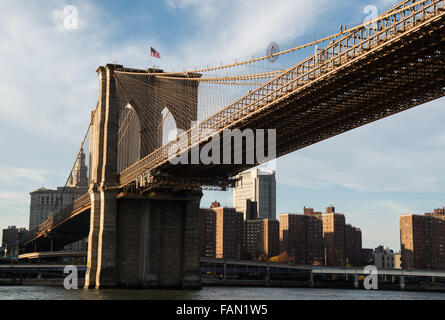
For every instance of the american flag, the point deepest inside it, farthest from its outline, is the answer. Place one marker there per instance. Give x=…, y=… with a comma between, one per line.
x=154, y=53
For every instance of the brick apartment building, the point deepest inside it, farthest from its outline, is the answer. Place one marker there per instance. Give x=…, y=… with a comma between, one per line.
x=422, y=240
x=229, y=233
x=353, y=245
x=334, y=237
x=262, y=237
x=207, y=233
x=301, y=236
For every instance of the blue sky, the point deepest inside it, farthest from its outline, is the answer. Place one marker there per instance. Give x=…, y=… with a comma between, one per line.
x=49, y=86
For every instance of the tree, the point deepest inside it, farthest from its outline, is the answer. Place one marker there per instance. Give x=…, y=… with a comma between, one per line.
x=283, y=257
x=261, y=257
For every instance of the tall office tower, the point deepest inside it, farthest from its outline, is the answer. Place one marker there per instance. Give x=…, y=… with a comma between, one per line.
x=262, y=236
x=229, y=233
x=301, y=236
x=422, y=240
x=45, y=201
x=334, y=237
x=258, y=186
x=353, y=243
x=207, y=232
x=79, y=177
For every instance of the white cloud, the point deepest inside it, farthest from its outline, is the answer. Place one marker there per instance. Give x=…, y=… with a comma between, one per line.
x=395, y=207
x=8, y=174
x=229, y=29
x=48, y=81
x=402, y=153
x=9, y=196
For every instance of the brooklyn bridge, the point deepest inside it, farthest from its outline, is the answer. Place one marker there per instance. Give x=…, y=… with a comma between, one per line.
x=141, y=213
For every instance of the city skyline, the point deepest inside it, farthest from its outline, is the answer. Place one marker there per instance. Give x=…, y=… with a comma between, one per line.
x=374, y=174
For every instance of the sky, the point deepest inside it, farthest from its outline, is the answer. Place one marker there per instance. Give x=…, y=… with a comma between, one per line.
x=48, y=86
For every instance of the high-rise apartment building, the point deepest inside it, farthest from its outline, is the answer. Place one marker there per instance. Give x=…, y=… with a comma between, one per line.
x=422, y=240
x=314, y=236
x=259, y=187
x=301, y=236
x=229, y=233
x=262, y=237
x=353, y=245
x=334, y=237
x=11, y=238
x=207, y=234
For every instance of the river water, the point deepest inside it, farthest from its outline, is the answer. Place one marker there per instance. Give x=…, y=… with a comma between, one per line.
x=210, y=293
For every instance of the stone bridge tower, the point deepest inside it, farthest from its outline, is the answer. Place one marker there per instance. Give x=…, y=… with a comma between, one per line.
x=137, y=241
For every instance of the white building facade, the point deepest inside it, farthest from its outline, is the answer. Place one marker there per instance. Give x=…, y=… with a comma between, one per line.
x=258, y=186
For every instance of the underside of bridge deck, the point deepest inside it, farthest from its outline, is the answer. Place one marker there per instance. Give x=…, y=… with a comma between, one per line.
x=401, y=75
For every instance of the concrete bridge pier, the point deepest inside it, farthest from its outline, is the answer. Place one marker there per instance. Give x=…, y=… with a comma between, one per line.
x=93, y=238
x=158, y=241
x=146, y=242
x=107, y=240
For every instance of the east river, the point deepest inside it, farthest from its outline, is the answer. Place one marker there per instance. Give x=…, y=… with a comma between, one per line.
x=210, y=293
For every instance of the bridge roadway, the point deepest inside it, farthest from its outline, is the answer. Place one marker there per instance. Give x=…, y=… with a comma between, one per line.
x=37, y=267
x=55, y=254
x=233, y=266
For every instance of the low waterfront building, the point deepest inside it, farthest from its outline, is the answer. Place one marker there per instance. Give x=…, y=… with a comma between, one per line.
x=385, y=258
